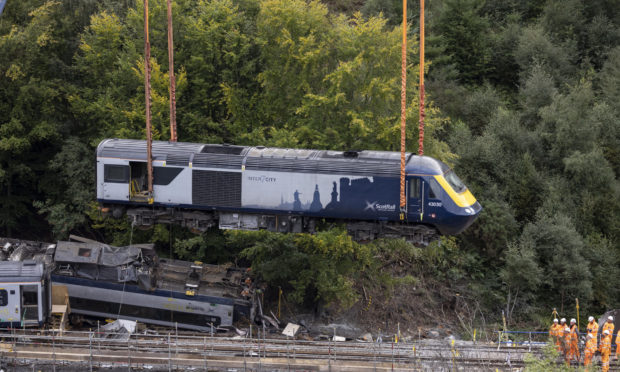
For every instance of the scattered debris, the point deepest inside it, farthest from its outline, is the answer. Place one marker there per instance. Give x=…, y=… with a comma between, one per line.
x=291, y=329
x=119, y=329
x=366, y=337
x=339, y=338
x=270, y=321
x=241, y=332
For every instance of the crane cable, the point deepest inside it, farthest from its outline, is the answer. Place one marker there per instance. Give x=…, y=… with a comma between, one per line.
x=173, y=105
x=403, y=102
x=403, y=112
x=147, y=99
x=422, y=92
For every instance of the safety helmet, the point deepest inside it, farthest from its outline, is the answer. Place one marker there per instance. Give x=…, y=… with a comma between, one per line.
x=566, y=329
x=573, y=321
x=563, y=320
x=590, y=319
x=590, y=335
x=610, y=318
x=606, y=332
x=555, y=320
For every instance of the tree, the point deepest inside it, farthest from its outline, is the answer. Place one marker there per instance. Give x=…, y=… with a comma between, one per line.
x=558, y=247
x=32, y=110
x=535, y=48
x=311, y=268
x=522, y=276
x=466, y=33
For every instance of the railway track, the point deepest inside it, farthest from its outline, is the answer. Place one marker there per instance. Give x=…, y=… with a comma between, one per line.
x=91, y=350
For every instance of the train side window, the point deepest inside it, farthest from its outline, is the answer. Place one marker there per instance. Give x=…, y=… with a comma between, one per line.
x=4, y=297
x=414, y=188
x=116, y=173
x=434, y=191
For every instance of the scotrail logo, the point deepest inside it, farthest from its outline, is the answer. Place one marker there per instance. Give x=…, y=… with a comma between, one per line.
x=376, y=207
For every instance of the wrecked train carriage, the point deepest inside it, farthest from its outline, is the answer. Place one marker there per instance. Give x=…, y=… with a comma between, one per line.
x=25, y=290
x=133, y=283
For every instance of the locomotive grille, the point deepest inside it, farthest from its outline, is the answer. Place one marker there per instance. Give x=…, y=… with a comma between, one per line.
x=216, y=189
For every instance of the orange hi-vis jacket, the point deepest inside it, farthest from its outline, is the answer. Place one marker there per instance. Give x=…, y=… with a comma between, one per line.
x=617, y=346
x=555, y=331
x=592, y=329
x=566, y=340
x=573, y=350
x=556, y=334
x=608, y=327
x=589, y=351
x=605, y=349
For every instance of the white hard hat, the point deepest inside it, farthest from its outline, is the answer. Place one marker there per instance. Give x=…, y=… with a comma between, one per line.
x=606, y=332
x=610, y=318
x=590, y=319
x=563, y=320
x=590, y=335
x=555, y=320
x=573, y=320
x=567, y=329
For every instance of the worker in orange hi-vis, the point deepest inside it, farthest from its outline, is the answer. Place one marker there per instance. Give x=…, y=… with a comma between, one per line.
x=617, y=346
x=592, y=327
x=609, y=325
x=554, y=332
x=590, y=349
x=566, y=341
x=574, y=340
x=605, y=349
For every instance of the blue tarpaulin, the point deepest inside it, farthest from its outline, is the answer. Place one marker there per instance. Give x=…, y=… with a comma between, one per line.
x=2, y=2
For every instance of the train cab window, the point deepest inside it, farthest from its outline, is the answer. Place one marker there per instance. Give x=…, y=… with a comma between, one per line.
x=414, y=187
x=454, y=181
x=434, y=191
x=116, y=173
x=4, y=297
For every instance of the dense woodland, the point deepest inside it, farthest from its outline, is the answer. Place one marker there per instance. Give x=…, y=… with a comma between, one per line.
x=523, y=101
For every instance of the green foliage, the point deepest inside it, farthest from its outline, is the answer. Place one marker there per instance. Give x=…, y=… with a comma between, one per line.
x=309, y=268
x=465, y=30
x=548, y=362
x=66, y=206
x=559, y=251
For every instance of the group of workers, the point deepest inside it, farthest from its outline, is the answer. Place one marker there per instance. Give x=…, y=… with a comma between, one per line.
x=567, y=341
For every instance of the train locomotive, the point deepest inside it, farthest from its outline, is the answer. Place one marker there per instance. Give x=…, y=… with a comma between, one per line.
x=284, y=190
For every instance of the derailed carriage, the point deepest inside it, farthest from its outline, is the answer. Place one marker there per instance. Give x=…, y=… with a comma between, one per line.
x=122, y=283
x=284, y=190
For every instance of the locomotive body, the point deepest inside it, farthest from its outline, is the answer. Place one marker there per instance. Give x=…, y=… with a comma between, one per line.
x=286, y=190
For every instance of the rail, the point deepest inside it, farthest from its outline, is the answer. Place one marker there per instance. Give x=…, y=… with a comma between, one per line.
x=121, y=349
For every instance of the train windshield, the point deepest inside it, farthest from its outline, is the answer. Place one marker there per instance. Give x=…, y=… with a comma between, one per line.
x=454, y=181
